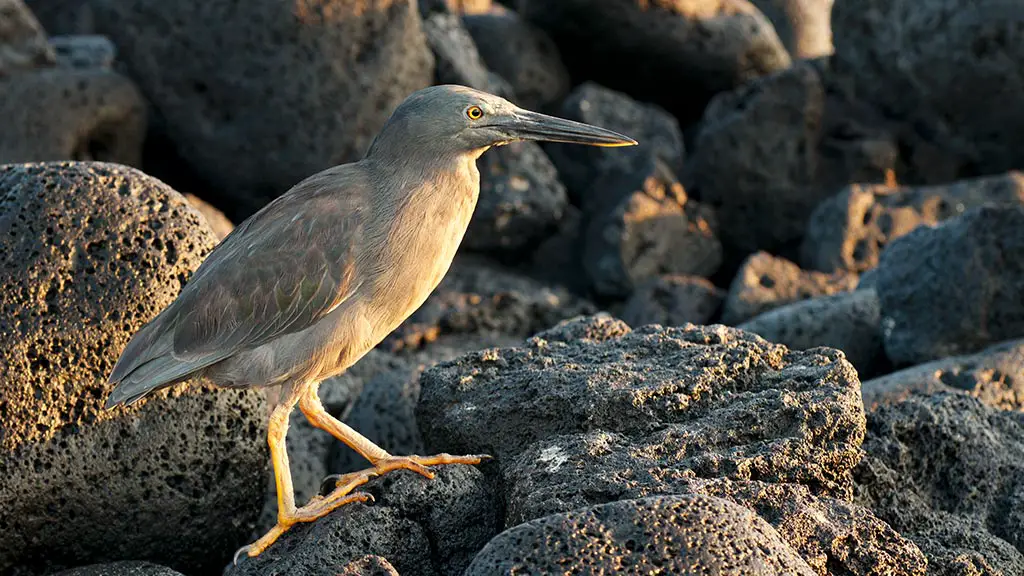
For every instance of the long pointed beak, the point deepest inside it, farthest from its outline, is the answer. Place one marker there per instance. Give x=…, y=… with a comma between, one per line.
x=527, y=125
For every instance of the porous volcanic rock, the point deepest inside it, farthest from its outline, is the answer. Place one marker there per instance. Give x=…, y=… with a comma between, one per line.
x=673, y=300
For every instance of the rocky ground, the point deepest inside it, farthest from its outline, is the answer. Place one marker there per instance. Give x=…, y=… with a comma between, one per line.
x=783, y=335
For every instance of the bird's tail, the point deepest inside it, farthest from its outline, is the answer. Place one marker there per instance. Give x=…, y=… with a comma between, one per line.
x=154, y=375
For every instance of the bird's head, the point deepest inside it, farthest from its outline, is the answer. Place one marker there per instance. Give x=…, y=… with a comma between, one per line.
x=462, y=120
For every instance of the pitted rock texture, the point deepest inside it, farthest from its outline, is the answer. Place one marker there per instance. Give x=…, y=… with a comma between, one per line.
x=848, y=321
x=971, y=267
x=66, y=114
x=126, y=568
x=945, y=471
x=673, y=300
x=995, y=376
x=850, y=230
x=521, y=54
x=89, y=252
x=264, y=93
x=635, y=45
x=216, y=219
x=765, y=282
x=667, y=534
x=457, y=60
x=23, y=44
x=420, y=526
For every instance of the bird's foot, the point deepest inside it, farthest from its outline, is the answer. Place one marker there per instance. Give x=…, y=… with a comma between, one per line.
x=317, y=507
x=417, y=464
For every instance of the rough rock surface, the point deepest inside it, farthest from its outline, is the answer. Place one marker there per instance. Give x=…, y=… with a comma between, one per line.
x=89, y=252
x=582, y=168
x=457, y=60
x=521, y=200
x=23, y=44
x=84, y=52
x=667, y=534
x=126, y=568
x=850, y=230
x=971, y=267
x=848, y=321
x=66, y=114
x=521, y=54
x=892, y=55
x=804, y=26
x=369, y=565
x=765, y=282
x=995, y=376
x=424, y=527
x=265, y=93
x=715, y=45
x=216, y=219
x=673, y=300
x=653, y=228
x=945, y=470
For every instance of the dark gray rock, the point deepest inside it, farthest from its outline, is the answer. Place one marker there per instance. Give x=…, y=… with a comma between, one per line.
x=89, y=252
x=84, y=52
x=648, y=228
x=849, y=230
x=638, y=46
x=264, y=93
x=847, y=321
x=127, y=568
x=422, y=527
x=765, y=282
x=521, y=200
x=583, y=168
x=804, y=26
x=945, y=471
x=65, y=114
x=995, y=376
x=64, y=17
x=457, y=60
x=23, y=44
x=369, y=565
x=971, y=268
x=521, y=54
x=558, y=259
x=673, y=300
x=670, y=534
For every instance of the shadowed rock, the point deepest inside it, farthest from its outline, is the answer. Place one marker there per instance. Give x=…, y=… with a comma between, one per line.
x=673, y=300
x=23, y=44
x=803, y=25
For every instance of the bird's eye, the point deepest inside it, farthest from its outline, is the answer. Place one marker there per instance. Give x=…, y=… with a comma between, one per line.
x=474, y=113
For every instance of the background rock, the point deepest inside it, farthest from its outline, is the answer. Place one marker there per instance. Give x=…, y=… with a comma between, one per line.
x=803, y=25
x=971, y=267
x=849, y=230
x=216, y=219
x=84, y=52
x=765, y=282
x=90, y=252
x=945, y=471
x=457, y=60
x=644, y=536
x=265, y=93
x=23, y=44
x=127, y=568
x=673, y=300
x=369, y=565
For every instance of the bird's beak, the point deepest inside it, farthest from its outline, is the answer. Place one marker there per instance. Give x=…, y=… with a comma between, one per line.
x=527, y=125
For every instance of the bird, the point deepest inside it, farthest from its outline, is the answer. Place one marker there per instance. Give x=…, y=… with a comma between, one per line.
x=303, y=288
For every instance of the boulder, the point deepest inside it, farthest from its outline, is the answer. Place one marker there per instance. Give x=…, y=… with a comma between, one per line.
x=945, y=471
x=673, y=300
x=264, y=93
x=847, y=321
x=216, y=219
x=521, y=54
x=126, y=568
x=558, y=259
x=995, y=376
x=804, y=26
x=672, y=534
x=23, y=44
x=84, y=52
x=64, y=17
x=765, y=282
x=636, y=46
x=850, y=230
x=457, y=60
x=648, y=227
x=89, y=252
x=971, y=268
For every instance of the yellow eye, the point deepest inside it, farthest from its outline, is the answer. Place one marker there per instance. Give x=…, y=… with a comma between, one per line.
x=474, y=113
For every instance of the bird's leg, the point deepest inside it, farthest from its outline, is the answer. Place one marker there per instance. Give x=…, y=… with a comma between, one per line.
x=382, y=462
x=319, y=506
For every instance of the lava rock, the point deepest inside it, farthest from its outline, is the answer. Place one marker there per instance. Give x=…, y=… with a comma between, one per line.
x=89, y=252
x=457, y=60
x=559, y=258
x=64, y=17
x=264, y=93
x=945, y=471
x=369, y=565
x=583, y=168
x=847, y=321
x=644, y=536
x=652, y=229
x=126, y=568
x=635, y=45
x=971, y=267
x=216, y=219
x=84, y=52
x=850, y=230
x=521, y=54
x=765, y=282
x=420, y=526
x=23, y=44
x=521, y=200
x=995, y=376
x=943, y=79
x=804, y=26
x=673, y=300
x=64, y=114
